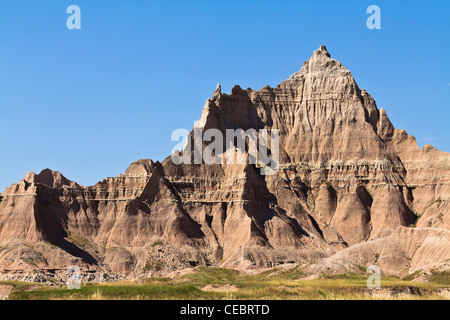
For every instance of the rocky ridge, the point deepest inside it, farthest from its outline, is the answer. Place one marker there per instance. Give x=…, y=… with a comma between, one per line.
x=348, y=181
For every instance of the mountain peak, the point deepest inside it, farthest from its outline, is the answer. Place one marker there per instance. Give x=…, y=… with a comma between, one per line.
x=346, y=176
x=50, y=178
x=321, y=64
x=322, y=51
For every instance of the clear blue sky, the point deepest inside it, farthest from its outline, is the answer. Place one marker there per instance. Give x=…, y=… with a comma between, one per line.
x=89, y=102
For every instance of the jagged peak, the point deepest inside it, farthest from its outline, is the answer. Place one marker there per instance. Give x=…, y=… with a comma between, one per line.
x=50, y=178
x=322, y=51
x=321, y=63
x=218, y=90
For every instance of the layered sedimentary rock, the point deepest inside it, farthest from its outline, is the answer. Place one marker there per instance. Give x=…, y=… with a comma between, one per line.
x=406, y=251
x=346, y=177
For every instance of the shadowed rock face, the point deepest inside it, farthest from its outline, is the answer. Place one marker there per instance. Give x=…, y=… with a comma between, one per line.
x=346, y=177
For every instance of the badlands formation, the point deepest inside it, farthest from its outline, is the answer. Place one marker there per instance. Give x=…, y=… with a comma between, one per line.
x=351, y=191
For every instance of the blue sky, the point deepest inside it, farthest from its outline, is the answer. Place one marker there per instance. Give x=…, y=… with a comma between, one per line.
x=89, y=102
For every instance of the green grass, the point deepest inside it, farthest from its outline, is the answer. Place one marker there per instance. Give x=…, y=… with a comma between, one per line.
x=442, y=277
x=19, y=286
x=230, y=284
x=111, y=292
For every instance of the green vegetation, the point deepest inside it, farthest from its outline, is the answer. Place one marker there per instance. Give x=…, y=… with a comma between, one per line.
x=30, y=262
x=442, y=277
x=439, y=200
x=120, y=250
x=156, y=265
x=311, y=199
x=157, y=243
x=216, y=283
x=411, y=276
x=20, y=286
x=79, y=240
x=418, y=215
x=361, y=268
x=111, y=292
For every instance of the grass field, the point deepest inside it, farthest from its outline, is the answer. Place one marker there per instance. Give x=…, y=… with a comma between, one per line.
x=218, y=284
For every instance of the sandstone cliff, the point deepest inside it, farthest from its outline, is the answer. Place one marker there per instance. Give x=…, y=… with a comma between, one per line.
x=346, y=178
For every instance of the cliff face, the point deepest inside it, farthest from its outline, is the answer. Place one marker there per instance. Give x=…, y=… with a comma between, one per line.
x=346, y=176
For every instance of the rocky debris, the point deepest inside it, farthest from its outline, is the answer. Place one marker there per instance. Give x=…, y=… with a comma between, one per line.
x=397, y=292
x=347, y=181
x=41, y=277
x=220, y=288
x=55, y=277
x=406, y=251
x=5, y=291
x=443, y=292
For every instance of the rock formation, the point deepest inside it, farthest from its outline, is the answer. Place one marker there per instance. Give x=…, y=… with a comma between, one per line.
x=348, y=183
